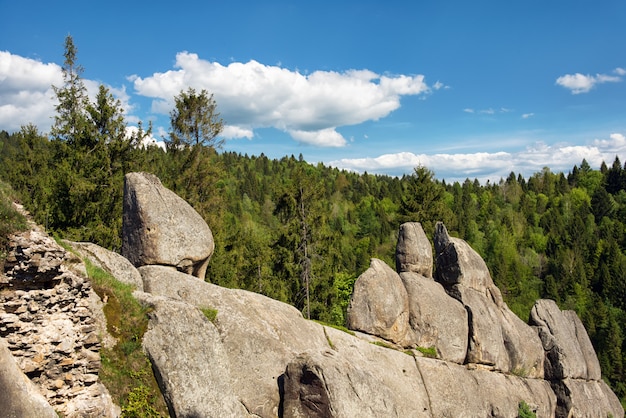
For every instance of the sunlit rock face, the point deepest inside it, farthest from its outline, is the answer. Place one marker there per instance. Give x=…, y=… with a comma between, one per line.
x=161, y=228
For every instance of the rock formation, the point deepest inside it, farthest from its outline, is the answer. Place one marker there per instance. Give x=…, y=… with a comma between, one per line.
x=226, y=352
x=158, y=227
x=380, y=304
x=50, y=322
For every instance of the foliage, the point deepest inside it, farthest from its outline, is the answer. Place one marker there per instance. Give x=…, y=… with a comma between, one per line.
x=209, y=313
x=303, y=233
x=10, y=219
x=524, y=411
x=195, y=121
x=430, y=352
x=126, y=371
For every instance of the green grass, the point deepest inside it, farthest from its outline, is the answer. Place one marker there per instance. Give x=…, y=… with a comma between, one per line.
x=337, y=327
x=524, y=411
x=430, y=352
x=210, y=314
x=126, y=371
x=383, y=344
x=11, y=221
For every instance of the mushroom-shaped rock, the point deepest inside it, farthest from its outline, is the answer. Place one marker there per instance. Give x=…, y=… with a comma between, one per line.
x=569, y=353
x=161, y=228
x=413, y=251
x=379, y=303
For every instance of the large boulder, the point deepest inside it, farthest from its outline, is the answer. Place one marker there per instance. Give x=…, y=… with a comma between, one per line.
x=111, y=262
x=19, y=397
x=436, y=319
x=259, y=335
x=413, y=251
x=193, y=370
x=568, y=350
x=458, y=265
x=582, y=398
x=161, y=228
x=361, y=379
x=496, y=336
x=379, y=304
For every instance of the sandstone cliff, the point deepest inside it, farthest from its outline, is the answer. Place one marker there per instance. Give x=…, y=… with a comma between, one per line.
x=258, y=357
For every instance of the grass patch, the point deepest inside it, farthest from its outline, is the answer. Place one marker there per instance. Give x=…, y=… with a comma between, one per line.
x=383, y=344
x=11, y=220
x=210, y=314
x=126, y=371
x=524, y=411
x=430, y=352
x=338, y=327
x=519, y=372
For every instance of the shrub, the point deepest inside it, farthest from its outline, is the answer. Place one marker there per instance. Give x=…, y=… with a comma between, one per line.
x=524, y=411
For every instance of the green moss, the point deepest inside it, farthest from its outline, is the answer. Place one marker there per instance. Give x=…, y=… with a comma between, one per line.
x=383, y=344
x=338, y=327
x=210, y=314
x=430, y=352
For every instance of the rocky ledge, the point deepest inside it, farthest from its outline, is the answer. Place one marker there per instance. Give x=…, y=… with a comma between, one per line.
x=422, y=344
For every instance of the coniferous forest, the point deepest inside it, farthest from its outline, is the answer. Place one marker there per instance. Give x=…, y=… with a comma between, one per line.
x=302, y=234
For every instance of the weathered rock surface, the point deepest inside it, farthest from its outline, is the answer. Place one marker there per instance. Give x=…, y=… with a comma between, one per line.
x=161, y=228
x=259, y=335
x=569, y=353
x=581, y=398
x=47, y=319
x=496, y=336
x=113, y=263
x=193, y=369
x=19, y=397
x=413, y=251
x=361, y=379
x=459, y=266
x=435, y=319
x=379, y=304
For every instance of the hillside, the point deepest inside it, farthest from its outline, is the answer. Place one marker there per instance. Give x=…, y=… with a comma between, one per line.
x=286, y=229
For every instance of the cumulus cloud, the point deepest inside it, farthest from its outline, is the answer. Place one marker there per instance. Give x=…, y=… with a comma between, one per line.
x=580, y=83
x=26, y=95
x=495, y=165
x=310, y=107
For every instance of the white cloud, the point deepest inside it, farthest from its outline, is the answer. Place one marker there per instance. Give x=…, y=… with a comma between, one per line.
x=527, y=115
x=580, y=83
x=233, y=132
x=308, y=106
x=495, y=165
x=26, y=95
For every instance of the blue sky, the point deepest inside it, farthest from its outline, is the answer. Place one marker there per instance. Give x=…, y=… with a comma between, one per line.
x=468, y=89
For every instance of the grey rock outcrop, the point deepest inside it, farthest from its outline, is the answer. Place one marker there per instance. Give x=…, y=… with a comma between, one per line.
x=581, y=398
x=113, y=263
x=569, y=353
x=435, y=319
x=19, y=397
x=497, y=337
x=379, y=304
x=193, y=369
x=161, y=228
x=260, y=335
x=413, y=251
x=49, y=321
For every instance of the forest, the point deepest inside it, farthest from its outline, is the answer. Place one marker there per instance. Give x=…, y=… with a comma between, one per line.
x=303, y=233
